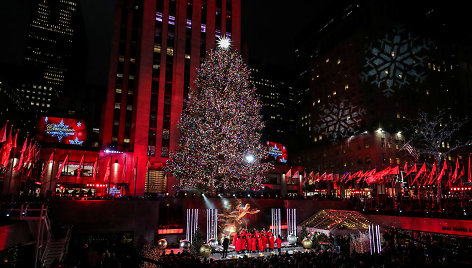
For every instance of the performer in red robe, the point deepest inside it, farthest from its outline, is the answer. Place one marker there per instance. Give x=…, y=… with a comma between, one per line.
x=271, y=242
x=279, y=243
x=264, y=242
x=259, y=242
x=243, y=244
x=238, y=244
x=249, y=243
x=234, y=239
x=254, y=243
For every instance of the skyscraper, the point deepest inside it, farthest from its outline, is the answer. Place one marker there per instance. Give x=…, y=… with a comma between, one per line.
x=368, y=67
x=49, y=41
x=157, y=48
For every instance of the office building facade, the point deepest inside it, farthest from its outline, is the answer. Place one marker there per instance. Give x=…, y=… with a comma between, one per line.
x=157, y=48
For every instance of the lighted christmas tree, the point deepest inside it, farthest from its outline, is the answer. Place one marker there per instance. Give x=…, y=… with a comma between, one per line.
x=220, y=127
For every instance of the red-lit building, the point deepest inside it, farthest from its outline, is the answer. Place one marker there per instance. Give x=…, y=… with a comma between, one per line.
x=157, y=48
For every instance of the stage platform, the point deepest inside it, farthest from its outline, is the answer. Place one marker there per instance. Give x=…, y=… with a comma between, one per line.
x=286, y=249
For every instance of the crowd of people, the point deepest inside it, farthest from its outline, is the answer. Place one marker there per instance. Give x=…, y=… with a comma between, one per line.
x=256, y=241
x=412, y=256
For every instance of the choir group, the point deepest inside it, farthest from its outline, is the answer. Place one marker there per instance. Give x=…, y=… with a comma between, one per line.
x=255, y=241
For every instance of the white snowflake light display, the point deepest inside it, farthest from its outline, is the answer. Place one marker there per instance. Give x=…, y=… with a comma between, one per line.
x=395, y=61
x=339, y=119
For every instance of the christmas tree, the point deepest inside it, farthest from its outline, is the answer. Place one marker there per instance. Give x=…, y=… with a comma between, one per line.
x=220, y=148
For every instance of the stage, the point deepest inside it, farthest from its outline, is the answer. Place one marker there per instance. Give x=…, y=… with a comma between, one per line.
x=286, y=249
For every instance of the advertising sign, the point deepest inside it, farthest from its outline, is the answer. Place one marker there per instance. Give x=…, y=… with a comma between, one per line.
x=277, y=151
x=61, y=131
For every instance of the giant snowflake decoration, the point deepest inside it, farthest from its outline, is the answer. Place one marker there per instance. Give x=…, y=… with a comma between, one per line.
x=339, y=119
x=76, y=141
x=395, y=61
x=60, y=130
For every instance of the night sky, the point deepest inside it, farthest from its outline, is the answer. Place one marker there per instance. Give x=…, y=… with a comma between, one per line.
x=268, y=30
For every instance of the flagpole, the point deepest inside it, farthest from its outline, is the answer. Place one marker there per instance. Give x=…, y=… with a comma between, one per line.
x=109, y=176
x=52, y=169
x=135, y=175
x=11, y=172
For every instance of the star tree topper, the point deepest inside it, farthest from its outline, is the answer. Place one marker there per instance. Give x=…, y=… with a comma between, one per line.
x=224, y=42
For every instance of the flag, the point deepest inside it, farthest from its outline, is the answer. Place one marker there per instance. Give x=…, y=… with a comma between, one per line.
x=288, y=174
x=296, y=174
x=22, y=155
x=431, y=174
x=421, y=171
x=94, y=170
x=80, y=166
x=3, y=133
x=317, y=177
x=28, y=154
x=394, y=171
x=329, y=177
x=413, y=169
x=410, y=150
x=405, y=167
x=15, y=139
x=454, y=176
x=59, y=171
x=443, y=170
x=323, y=176
x=6, y=150
x=108, y=171
x=47, y=164
x=462, y=173
x=123, y=176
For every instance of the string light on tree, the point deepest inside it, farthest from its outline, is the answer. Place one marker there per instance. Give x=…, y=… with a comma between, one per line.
x=220, y=127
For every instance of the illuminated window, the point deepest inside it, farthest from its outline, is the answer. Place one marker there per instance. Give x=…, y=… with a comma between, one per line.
x=117, y=105
x=398, y=115
x=339, y=61
x=118, y=90
x=334, y=93
x=318, y=100
x=346, y=87
x=126, y=140
x=442, y=144
x=427, y=92
x=327, y=60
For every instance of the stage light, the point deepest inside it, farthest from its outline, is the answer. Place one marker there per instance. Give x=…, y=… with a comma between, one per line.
x=203, y=195
x=8, y=214
x=248, y=195
x=219, y=195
